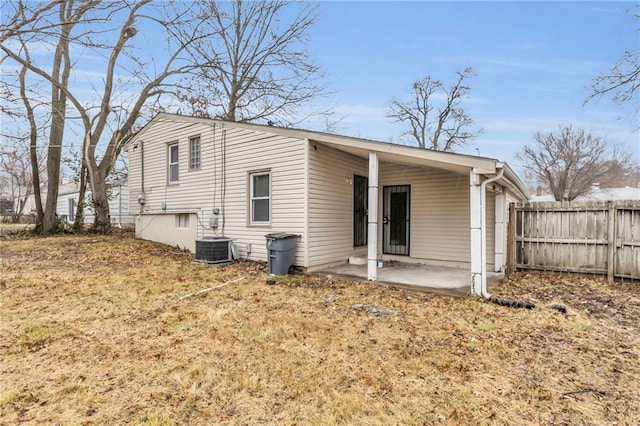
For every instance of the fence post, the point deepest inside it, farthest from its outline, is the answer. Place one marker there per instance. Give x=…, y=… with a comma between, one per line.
x=611, y=240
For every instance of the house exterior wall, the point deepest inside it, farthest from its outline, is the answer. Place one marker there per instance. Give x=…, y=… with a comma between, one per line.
x=439, y=231
x=331, y=203
x=311, y=194
x=62, y=207
x=225, y=152
x=119, y=206
x=164, y=228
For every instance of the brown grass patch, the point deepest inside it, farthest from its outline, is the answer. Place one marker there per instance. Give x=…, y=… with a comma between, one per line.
x=93, y=332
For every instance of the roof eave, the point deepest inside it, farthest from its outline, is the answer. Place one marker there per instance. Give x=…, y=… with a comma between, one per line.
x=512, y=181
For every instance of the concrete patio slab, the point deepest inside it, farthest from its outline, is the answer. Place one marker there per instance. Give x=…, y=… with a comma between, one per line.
x=435, y=279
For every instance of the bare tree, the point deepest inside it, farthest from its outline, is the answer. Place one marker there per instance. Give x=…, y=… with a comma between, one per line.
x=570, y=161
x=130, y=80
x=15, y=164
x=33, y=24
x=258, y=66
x=434, y=114
x=623, y=79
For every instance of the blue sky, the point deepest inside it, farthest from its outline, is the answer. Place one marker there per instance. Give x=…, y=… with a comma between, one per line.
x=534, y=63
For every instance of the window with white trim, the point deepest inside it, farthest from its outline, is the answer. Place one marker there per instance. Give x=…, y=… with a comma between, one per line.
x=194, y=153
x=260, y=194
x=173, y=163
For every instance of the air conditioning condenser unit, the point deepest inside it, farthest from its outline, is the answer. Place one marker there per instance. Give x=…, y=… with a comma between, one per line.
x=215, y=250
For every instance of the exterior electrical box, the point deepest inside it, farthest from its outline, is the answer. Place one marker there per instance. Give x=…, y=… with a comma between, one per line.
x=214, y=250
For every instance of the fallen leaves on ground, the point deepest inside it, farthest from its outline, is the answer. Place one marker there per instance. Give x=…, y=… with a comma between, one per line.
x=93, y=331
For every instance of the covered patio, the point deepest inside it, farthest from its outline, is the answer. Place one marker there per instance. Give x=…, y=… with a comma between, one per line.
x=430, y=278
x=445, y=213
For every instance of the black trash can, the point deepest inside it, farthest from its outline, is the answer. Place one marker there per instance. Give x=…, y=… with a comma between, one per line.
x=281, y=252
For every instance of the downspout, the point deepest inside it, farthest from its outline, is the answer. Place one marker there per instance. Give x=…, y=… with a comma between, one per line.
x=141, y=196
x=483, y=231
x=120, y=205
x=483, y=245
x=142, y=167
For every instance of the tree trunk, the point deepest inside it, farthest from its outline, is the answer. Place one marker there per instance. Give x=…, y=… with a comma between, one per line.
x=33, y=149
x=78, y=223
x=54, y=156
x=35, y=178
x=60, y=74
x=100, y=195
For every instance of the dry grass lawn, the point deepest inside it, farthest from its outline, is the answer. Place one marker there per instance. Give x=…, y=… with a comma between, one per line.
x=93, y=331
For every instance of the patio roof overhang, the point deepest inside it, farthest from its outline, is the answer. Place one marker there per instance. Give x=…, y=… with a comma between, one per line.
x=412, y=156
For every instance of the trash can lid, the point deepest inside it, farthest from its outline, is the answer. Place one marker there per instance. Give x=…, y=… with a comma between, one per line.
x=280, y=236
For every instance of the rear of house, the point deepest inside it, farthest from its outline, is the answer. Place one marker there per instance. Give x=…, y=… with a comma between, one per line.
x=192, y=178
x=203, y=178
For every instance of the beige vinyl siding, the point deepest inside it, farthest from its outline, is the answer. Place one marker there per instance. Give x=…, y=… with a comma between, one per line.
x=202, y=190
x=440, y=230
x=331, y=203
x=119, y=205
x=134, y=176
x=311, y=194
x=440, y=217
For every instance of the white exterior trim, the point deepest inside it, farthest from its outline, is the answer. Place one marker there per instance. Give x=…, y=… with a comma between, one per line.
x=372, y=237
x=306, y=203
x=479, y=229
x=476, y=233
x=500, y=234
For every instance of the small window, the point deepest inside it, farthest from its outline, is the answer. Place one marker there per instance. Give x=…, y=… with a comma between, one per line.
x=182, y=220
x=173, y=163
x=260, y=197
x=194, y=153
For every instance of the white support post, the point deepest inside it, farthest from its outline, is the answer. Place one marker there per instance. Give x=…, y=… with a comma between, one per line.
x=500, y=232
x=476, y=234
x=372, y=258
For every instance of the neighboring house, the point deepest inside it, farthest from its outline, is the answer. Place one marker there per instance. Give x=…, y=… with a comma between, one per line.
x=12, y=201
x=68, y=196
x=17, y=202
x=188, y=174
x=6, y=205
x=596, y=194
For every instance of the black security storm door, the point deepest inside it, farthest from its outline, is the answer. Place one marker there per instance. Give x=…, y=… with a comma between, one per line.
x=360, y=205
x=396, y=220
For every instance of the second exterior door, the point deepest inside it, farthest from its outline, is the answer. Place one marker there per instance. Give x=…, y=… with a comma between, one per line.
x=396, y=208
x=360, y=206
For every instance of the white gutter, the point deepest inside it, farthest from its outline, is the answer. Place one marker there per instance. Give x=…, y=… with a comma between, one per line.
x=483, y=231
x=513, y=182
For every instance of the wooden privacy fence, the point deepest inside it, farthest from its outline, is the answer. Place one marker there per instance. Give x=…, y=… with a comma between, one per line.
x=586, y=237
